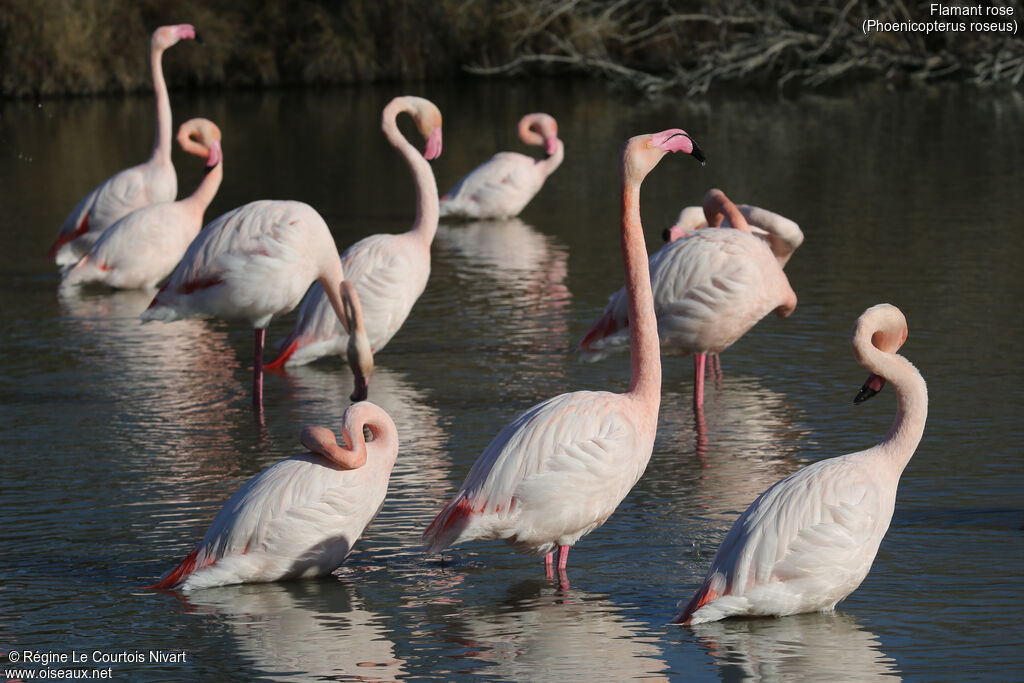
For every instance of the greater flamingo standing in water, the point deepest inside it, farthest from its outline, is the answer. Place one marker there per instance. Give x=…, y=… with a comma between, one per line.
x=390, y=272
x=559, y=470
x=300, y=517
x=709, y=289
x=256, y=262
x=135, y=187
x=808, y=541
x=141, y=249
x=502, y=186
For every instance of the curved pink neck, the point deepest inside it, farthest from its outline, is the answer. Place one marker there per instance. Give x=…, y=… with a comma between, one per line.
x=207, y=190
x=645, y=380
x=162, y=139
x=717, y=205
x=427, y=203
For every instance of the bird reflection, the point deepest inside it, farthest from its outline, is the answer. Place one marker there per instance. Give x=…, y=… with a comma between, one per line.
x=538, y=632
x=742, y=442
x=303, y=630
x=176, y=383
x=527, y=307
x=808, y=647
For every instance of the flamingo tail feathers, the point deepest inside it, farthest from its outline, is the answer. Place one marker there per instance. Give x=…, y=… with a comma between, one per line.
x=605, y=326
x=178, y=575
x=703, y=596
x=445, y=528
x=288, y=348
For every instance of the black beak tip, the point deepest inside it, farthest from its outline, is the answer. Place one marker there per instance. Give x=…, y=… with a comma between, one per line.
x=198, y=39
x=698, y=154
x=666, y=234
x=864, y=394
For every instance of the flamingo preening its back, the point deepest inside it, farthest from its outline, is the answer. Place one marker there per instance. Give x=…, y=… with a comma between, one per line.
x=300, y=517
x=560, y=469
x=135, y=187
x=808, y=541
x=390, y=272
x=709, y=290
x=502, y=186
x=141, y=249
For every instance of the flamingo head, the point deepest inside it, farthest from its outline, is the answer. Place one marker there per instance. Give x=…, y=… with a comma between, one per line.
x=166, y=36
x=676, y=232
x=540, y=129
x=428, y=121
x=643, y=152
x=201, y=137
x=882, y=327
x=691, y=219
x=359, y=353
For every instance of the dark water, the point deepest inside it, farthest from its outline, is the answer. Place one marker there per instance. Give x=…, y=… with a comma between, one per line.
x=119, y=442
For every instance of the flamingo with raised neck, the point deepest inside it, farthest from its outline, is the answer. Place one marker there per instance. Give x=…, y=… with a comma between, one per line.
x=502, y=186
x=561, y=468
x=809, y=541
x=141, y=249
x=135, y=187
x=390, y=272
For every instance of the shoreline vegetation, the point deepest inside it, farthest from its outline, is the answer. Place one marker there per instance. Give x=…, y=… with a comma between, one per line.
x=685, y=47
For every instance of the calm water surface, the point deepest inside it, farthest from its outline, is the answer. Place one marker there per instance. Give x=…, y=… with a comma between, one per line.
x=120, y=442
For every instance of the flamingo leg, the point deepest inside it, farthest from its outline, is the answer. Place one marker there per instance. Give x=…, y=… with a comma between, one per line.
x=549, y=564
x=715, y=367
x=698, y=378
x=257, y=370
x=563, y=557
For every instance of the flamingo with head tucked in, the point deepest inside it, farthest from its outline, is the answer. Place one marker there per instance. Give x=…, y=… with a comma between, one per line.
x=135, y=187
x=300, y=517
x=808, y=541
x=502, y=186
x=390, y=272
x=560, y=469
x=709, y=290
x=254, y=263
x=141, y=249
x=782, y=235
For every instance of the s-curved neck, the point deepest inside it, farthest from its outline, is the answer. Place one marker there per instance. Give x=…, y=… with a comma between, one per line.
x=207, y=189
x=162, y=139
x=427, y=204
x=645, y=376
x=907, y=428
x=551, y=164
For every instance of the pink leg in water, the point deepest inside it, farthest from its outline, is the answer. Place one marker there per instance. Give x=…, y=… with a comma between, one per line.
x=257, y=369
x=698, y=379
x=563, y=556
x=715, y=367
x=549, y=566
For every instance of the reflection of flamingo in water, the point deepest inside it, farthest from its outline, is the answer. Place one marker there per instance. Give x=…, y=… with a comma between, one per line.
x=300, y=517
x=539, y=633
x=809, y=647
x=319, y=628
x=502, y=186
x=135, y=187
x=709, y=289
x=256, y=262
x=390, y=272
x=809, y=540
x=560, y=469
x=141, y=249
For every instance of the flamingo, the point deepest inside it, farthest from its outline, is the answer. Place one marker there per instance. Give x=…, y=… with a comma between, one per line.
x=808, y=541
x=390, y=272
x=141, y=249
x=502, y=186
x=135, y=187
x=256, y=262
x=709, y=289
x=300, y=517
x=782, y=235
x=559, y=470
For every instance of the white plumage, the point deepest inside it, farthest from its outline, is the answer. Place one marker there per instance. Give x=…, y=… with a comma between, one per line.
x=809, y=540
x=300, y=517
